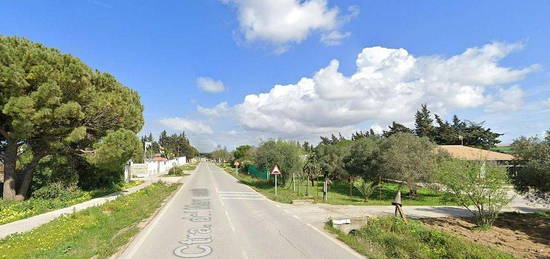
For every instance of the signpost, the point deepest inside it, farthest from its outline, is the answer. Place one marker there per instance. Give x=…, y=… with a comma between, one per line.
x=275, y=171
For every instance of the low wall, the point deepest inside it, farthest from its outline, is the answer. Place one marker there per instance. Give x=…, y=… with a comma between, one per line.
x=153, y=168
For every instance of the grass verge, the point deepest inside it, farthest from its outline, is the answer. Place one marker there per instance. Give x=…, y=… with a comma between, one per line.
x=389, y=237
x=11, y=211
x=339, y=193
x=95, y=232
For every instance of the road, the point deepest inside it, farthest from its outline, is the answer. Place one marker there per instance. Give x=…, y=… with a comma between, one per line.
x=215, y=216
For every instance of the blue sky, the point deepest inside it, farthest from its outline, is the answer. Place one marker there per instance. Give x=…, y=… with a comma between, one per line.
x=194, y=62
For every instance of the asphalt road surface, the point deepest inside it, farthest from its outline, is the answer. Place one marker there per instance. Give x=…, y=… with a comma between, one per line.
x=215, y=216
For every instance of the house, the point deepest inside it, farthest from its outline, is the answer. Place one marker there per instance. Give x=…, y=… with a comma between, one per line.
x=471, y=153
x=159, y=158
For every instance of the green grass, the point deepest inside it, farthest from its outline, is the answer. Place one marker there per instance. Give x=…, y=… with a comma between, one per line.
x=339, y=193
x=188, y=167
x=96, y=232
x=389, y=237
x=11, y=211
x=504, y=149
x=131, y=184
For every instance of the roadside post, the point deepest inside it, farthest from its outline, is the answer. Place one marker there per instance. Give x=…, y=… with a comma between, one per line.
x=397, y=203
x=275, y=171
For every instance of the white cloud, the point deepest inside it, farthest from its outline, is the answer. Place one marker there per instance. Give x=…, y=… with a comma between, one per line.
x=210, y=85
x=546, y=103
x=217, y=111
x=188, y=125
x=507, y=100
x=281, y=22
x=388, y=85
x=334, y=37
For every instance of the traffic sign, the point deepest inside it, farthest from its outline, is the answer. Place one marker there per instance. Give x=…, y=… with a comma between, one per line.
x=275, y=170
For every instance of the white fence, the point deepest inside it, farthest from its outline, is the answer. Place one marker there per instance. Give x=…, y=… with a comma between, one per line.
x=152, y=168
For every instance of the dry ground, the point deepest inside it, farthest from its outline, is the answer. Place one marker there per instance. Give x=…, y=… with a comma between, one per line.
x=524, y=236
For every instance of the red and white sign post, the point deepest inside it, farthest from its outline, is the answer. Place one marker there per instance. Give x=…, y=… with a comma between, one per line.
x=275, y=171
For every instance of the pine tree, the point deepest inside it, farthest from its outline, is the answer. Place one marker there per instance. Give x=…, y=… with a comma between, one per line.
x=424, y=123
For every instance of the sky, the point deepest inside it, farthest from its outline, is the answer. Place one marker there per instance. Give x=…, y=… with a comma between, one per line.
x=233, y=72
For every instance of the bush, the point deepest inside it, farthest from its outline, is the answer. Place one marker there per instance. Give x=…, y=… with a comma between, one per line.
x=366, y=188
x=176, y=171
x=476, y=183
x=57, y=190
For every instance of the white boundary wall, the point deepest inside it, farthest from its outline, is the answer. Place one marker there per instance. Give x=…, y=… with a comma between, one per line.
x=154, y=168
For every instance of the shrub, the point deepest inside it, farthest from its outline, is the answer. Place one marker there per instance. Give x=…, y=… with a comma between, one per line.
x=366, y=188
x=58, y=190
x=476, y=184
x=175, y=171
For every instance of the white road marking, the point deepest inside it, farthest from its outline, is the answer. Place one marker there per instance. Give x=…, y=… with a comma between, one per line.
x=295, y=216
x=237, y=192
x=336, y=241
x=243, y=198
x=151, y=226
x=232, y=195
x=230, y=222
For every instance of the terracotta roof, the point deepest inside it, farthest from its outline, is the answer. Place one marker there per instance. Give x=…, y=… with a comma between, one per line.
x=470, y=153
x=159, y=159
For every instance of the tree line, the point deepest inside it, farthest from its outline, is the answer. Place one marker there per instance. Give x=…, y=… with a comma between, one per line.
x=411, y=157
x=169, y=146
x=442, y=132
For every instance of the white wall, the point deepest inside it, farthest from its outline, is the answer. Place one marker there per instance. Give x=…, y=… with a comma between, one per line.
x=157, y=167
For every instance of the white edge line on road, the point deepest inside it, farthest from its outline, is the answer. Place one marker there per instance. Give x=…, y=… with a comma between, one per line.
x=230, y=222
x=141, y=238
x=346, y=247
x=349, y=249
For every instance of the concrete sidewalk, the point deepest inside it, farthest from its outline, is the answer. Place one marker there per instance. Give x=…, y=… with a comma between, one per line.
x=28, y=224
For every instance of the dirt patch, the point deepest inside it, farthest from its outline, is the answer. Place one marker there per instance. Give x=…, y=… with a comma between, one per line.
x=523, y=236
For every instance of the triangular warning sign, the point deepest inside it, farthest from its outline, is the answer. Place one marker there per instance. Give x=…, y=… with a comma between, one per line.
x=275, y=170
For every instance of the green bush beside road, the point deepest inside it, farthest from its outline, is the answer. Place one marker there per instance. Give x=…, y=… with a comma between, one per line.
x=181, y=170
x=95, y=232
x=388, y=237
